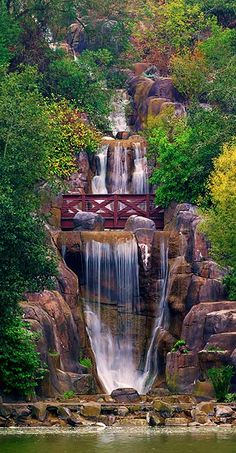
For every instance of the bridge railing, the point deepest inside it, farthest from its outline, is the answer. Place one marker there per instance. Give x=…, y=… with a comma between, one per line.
x=114, y=208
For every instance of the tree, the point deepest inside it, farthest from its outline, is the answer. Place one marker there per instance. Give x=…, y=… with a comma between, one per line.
x=184, y=150
x=70, y=135
x=169, y=28
x=9, y=34
x=220, y=221
x=82, y=82
x=27, y=263
x=190, y=71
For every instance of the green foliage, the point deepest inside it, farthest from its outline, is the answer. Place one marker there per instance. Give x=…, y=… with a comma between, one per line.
x=70, y=394
x=214, y=348
x=28, y=263
x=221, y=379
x=70, y=135
x=86, y=361
x=9, y=33
x=20, y=366
x=190, y=74
x=220, y=220
x=184, y=150
x=82, y=82
x=181, y=347
x=230, y=398
x=170, y=27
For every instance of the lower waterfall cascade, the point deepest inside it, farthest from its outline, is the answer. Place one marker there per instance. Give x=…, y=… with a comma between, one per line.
x=112, y=311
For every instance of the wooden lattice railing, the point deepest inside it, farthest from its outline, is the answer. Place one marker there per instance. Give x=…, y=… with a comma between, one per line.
x=114, y=208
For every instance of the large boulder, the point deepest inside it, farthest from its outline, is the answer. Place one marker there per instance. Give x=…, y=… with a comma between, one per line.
x=88, y=221
x=125, y=395
x=181, y=372
x=136, y=222
x=194, y=326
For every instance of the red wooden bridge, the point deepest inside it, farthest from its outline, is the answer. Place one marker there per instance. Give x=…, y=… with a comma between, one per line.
x=114, y=208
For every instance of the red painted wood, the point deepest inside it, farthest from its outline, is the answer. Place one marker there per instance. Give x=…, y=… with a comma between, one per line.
x=115, y=209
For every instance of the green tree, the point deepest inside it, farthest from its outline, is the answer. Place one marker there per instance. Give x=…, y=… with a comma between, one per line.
x=220, y=223
x=184, y=150
x=27, y=263
x=83, y=82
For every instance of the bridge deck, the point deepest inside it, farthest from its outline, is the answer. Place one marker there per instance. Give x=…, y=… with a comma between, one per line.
x=114, y=208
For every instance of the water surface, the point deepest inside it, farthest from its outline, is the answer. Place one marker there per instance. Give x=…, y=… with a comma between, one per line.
x=118, y=441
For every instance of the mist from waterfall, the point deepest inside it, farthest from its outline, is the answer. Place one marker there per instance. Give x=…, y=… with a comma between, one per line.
x=111, y=301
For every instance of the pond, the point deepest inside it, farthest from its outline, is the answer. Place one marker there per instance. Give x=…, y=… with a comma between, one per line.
x=216, y=440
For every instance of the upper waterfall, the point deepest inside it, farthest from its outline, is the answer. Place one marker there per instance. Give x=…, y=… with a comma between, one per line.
x=117, y=117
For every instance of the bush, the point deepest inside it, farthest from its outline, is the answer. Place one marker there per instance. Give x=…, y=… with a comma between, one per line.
x=230, y=398
x=68, y=395
x=20, y=366
x=70, y=134
x=83, y=82
x=214, y=348
x=86, y=362
x=221, y=379
x=181, y=347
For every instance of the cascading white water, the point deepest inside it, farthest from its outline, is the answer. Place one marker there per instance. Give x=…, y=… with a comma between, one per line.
x=112, y=271
x=162, y=319
x=140, y=175
x=120, y=170
x=118, y=112
x=112, y=285
x=99, y=180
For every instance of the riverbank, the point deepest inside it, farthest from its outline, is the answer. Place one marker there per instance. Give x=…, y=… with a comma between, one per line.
x=103, y=411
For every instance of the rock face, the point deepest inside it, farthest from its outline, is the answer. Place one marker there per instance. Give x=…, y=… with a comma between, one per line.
x=58, y=320
x=88, y=221
x=152, y=97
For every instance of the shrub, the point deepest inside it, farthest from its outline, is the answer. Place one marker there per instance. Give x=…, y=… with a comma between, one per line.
x=230, y=398
x=86, y=362
x=221, y=379
x=68, y=395
x=20, y=366
x=181, y=347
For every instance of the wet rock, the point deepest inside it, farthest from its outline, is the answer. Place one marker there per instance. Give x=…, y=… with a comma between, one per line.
x=85, y=384
x=176, y=422
x=224, y=411
x=200, y=416
x=162, y=407
x=136, y=222
x=124, y=395
x=220, y=321
x=181, y=372
x=39, y=411
x=63, y=413
x=122, y=411
x=88, y=221
x=203, y=390
x=194, y=322
x=91, y=409
x=153, y=420
x=123, y=135
x=208, y=407
x=131, y=422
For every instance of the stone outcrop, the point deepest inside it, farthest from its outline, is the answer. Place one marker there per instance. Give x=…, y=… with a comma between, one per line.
x=152, y=97
x=88, y=221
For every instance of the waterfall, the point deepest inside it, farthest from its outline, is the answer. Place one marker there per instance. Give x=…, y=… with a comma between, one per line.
x=162, y=318
x=140, y=175
x=118, y=115
x=120, y=170
x=112, y=272
x=99, y=180
x=112, y=312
